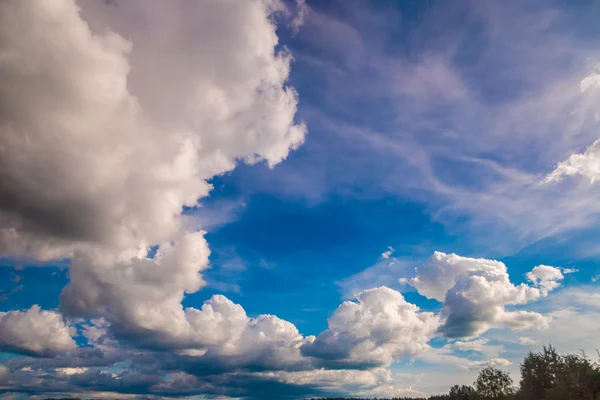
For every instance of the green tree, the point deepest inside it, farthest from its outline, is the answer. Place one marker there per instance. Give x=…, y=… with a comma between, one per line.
x=539, y=373
x=577, y=378
x=494, y=384
x=463, y=392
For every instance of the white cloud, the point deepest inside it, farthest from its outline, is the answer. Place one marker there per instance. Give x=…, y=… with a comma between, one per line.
x=474, y=157
x=492, y=362
x=386, y=254
x=476, y=291
x=139, y=296
x=117, y=118
x=377, y=382
x=476, y=345
x=220, y=333
x=302, y=10
x=71, y=371
x=546, y=278
x=572, y=328
x=525, y=341
x=441, y=272
x=107, y=139
x=566, y=271
x=34, y=332
x=384, y=273
x=591, y=82
x=586, y=164
x=378, y=328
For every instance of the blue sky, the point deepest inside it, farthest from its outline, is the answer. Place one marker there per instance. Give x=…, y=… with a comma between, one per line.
x=325, y=149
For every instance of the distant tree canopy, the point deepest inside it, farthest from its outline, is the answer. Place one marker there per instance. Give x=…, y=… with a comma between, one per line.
x=463, y=392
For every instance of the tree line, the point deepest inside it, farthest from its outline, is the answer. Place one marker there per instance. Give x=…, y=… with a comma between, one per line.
x=545, y=375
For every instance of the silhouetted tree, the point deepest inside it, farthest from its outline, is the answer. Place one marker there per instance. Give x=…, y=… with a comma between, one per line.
x=538, y=373
x=494, y=384
x=463, y=392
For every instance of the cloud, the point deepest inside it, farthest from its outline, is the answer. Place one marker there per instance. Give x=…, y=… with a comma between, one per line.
x=384, y=273
x=34, y=332
x=571, y=329
x=492, y=362
x=120, y=115
x=71, y=371
x=475, y=292
x=442, y=271
x=140, y=297
x=545, y=277
x=375, y=382
x=219, y=336
x=514, y=86
x=386, y=254
x=566, y=271
x=475, y=345
x=592, y=81
x=586, y=164
x=302, y=10
x=105, y=139
x=380, y=327
x=525, y=341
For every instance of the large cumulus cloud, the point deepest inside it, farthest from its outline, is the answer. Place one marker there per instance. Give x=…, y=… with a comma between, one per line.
x=113, y=118
x=476, y=291
x=34, y=332
x=380, y=327
x=111, y=125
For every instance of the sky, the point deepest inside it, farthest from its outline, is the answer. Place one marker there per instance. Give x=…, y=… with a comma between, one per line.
x=284, y=198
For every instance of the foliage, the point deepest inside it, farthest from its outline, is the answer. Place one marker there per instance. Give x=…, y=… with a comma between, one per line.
x=493, y=383
x=549, y=376
x=463, y=392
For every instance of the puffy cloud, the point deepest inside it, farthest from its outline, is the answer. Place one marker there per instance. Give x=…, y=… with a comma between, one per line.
x=476, y=291
x=140, y=297
x=586, y=164
x=105, y=139
x=234, y=340
x=545, y=277
x=380, y=327
x=34, y=332
x=476, y=345
x=218, y=336
x=442, y=271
